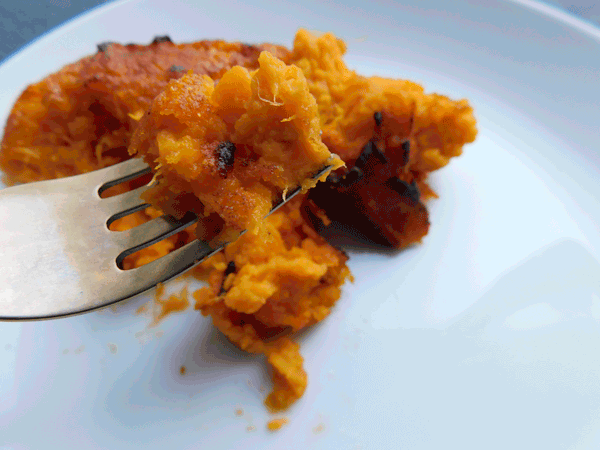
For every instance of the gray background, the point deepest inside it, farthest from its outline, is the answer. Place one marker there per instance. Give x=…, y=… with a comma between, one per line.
x=21, y=21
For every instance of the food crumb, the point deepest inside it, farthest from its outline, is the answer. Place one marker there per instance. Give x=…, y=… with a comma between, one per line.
x=239, y=412
x=250, y=428
x=319, y=428
x=112, y=348
x=79, y=349
x=172, y=304
x=65, y=351
x=276, y=424
x=142, y=309
x=182, y=370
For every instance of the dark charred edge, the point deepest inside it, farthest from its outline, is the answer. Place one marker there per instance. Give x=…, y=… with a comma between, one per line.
x=231, y=268
x=177, y=69
x=249, y=50
x=405, y=147
x=160, y=39
x=368, y=151
x=362, y=232
x=103, y=46
x=225, y=158
x=265, y=332
x=354, y=175
x=332, y=178
x=378, y=117
x=410, y=191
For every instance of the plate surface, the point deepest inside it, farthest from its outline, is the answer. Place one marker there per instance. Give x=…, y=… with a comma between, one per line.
x=485, y=336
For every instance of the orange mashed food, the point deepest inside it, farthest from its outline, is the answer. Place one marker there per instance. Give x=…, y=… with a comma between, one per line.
x=267, y=101
x=276, y=424
x=264, y=287
x=237, y=146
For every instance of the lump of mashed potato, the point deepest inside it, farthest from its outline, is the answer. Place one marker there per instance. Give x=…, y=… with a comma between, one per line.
x=237, y=145
x=228, y=137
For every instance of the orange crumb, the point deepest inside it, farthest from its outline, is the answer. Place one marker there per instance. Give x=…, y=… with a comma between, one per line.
x=319, y=428
x=173, y=303
x=182, y=370
x=160, y=290
x=239, y=412
x=276, y=424
x=289, y=377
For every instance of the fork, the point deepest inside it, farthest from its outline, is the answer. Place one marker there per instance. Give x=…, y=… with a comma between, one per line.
x=58, y=256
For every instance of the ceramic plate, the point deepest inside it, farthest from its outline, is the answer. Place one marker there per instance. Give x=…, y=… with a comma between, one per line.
x=485, y=336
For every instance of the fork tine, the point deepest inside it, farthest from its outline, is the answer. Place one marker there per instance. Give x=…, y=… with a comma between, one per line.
x=180, y=260
x=123, y=204
x=118, y=173
x=88, y=276
x=115, y=174
x=168, y=266
x=150, y=232
x=155, y=230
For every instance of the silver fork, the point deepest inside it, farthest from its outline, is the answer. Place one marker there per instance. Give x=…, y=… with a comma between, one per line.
x=58, y=256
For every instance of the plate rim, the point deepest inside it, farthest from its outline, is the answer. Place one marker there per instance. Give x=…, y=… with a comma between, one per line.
x=567, y=18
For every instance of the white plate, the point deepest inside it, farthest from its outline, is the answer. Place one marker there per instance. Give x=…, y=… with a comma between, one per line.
x=486, y=336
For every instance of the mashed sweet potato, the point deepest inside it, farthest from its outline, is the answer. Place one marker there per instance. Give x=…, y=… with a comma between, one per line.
x=436, y=126
x=238, y=146
x=81, y=118
x=263, y=287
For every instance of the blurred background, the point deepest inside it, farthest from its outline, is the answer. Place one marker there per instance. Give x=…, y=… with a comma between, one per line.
x=22, y=21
